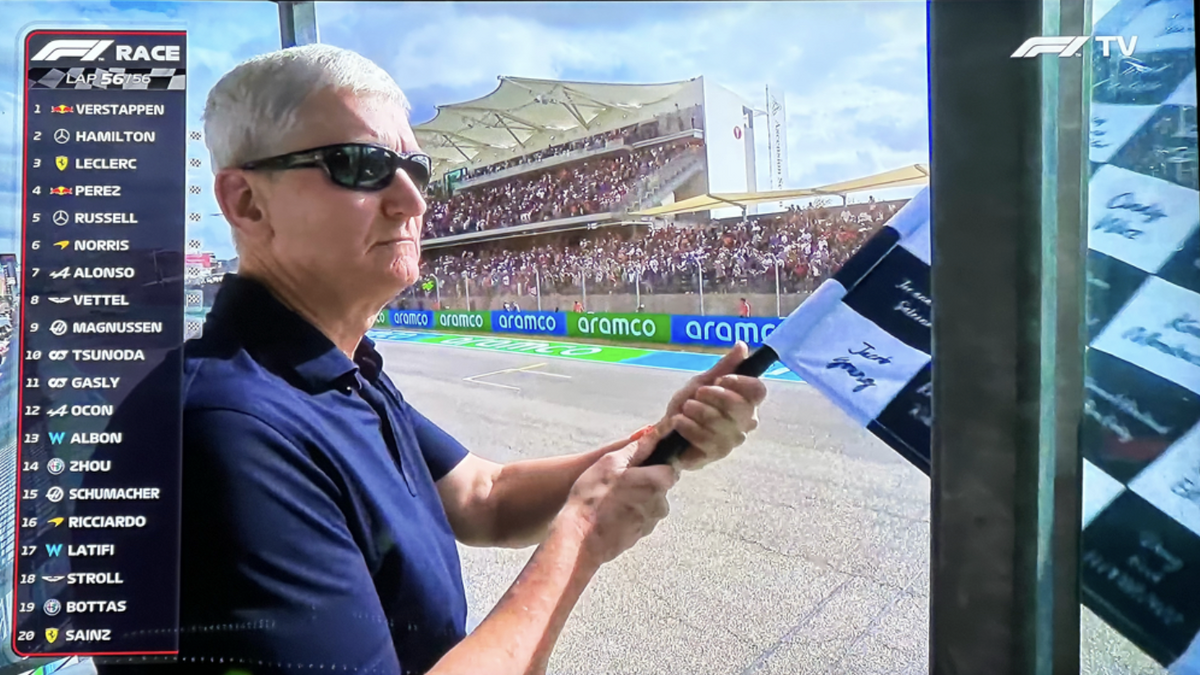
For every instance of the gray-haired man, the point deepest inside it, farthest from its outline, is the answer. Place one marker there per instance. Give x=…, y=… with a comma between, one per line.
x=320, y=509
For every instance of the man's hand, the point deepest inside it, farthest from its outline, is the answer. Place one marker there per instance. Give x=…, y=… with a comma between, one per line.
x=715, y=410
x=611, y=506
x=617, y=501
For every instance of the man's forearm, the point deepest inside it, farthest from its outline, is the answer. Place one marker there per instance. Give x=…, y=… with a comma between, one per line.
x=526, y=495
x=518, y=636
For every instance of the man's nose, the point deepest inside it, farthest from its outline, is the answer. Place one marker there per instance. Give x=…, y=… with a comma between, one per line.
x=403, y=198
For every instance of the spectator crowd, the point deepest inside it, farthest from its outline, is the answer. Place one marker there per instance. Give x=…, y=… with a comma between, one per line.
x=802, y=245
x=596, y=142
x=589, y=187
x=680, y=120
x=806, y=244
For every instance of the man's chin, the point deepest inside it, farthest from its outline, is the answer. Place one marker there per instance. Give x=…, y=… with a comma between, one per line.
x=404, y=272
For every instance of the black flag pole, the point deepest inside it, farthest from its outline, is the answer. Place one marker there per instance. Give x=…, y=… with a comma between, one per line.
x=673, y=444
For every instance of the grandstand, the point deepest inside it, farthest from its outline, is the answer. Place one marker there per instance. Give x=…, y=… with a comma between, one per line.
x=541, y=188
x=596, y=189
x=663, y=267
x=580, y=152
x=623, y=197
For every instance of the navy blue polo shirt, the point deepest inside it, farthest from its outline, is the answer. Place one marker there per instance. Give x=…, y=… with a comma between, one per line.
x=313, y=533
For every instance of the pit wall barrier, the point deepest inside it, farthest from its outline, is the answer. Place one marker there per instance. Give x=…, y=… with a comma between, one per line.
x=709, y=331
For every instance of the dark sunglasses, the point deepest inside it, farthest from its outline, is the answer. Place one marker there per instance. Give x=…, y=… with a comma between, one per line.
x=355, y=166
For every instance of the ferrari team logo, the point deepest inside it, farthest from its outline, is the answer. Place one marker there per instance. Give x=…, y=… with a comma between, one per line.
x=51, y=635
x=62, y=109
x=61, y=163
x=60, y=191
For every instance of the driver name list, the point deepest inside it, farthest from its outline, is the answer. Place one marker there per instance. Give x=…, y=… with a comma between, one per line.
x=105, y=142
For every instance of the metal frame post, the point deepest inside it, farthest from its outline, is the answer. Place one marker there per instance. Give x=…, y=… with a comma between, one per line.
x=297, y=23
x=1008, y=169
x=1066, y=122
x=778, y=304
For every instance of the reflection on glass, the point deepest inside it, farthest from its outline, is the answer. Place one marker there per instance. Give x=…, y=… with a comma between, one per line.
x=554, y=126
x=219, y=35
x=763, y=571
x=1140, y=561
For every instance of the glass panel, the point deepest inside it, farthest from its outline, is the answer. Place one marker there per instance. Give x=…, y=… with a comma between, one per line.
x=808, y=552
x=1140, y=560
x=219, y=35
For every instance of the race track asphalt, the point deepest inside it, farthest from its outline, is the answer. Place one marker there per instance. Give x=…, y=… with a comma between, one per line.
x=806, y=551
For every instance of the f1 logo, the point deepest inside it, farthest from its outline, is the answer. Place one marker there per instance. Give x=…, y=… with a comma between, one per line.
x=85, y=50
x=1066, y=45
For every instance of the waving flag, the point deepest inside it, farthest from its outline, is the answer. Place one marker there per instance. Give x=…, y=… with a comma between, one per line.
x=863, y=337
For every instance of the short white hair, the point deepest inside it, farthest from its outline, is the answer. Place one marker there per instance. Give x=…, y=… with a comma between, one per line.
x=252, y=109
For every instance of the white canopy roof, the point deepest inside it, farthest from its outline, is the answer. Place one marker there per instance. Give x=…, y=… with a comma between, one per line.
x=525, y=115
x=915, y=174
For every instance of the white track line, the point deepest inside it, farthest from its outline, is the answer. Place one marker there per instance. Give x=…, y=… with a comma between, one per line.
x=523, y=369
x=473, y=379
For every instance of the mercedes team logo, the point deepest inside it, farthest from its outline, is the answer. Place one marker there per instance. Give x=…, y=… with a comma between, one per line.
x=56, y=466
x=61, y=218
x=58, y=327
x=55, y=494
x=52, y=607
x=62, y=136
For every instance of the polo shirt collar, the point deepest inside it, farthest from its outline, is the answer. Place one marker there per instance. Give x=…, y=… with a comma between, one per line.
x=245, y=309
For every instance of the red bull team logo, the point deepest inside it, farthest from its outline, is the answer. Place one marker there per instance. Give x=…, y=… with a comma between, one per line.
x=62, y=109
x=60, y=191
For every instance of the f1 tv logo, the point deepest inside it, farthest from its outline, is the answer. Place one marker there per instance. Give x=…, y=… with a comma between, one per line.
x=85, y=50
x=1066, y=46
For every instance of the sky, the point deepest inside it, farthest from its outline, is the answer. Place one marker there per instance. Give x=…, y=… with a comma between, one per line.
x=853, y=73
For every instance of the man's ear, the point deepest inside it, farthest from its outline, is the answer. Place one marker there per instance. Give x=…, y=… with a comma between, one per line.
x=242, y=201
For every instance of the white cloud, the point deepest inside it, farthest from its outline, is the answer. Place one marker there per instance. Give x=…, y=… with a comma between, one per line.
x=853, y=73
x=870, y=112
x=434, y=57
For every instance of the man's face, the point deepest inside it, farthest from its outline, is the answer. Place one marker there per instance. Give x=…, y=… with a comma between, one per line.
x=356, y=244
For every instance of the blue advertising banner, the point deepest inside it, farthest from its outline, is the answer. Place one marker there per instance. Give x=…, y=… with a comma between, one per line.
x=411, y=318
x=720, y=331
x=530, y=323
